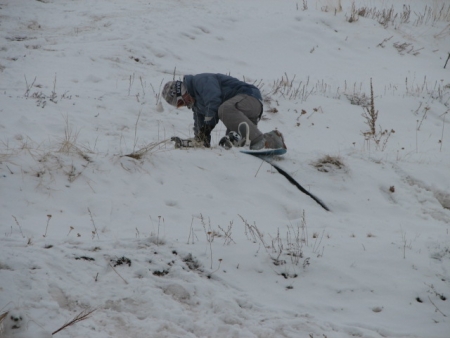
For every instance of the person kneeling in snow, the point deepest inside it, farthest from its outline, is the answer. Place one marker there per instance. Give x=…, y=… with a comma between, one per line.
x=214, y=97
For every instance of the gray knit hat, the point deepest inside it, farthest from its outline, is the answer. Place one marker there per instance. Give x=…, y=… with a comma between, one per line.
x=173, y=91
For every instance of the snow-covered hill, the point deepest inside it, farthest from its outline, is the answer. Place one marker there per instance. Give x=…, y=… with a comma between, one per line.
x=215, y=243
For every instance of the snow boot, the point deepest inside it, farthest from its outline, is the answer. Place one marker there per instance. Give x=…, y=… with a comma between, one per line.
x=270, y=140
x=230, y=140
x=236, y=139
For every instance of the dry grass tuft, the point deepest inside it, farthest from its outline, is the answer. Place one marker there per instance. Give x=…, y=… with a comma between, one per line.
x=140, y=153
x=68, y=144
x=438, y=11
x=329, y=163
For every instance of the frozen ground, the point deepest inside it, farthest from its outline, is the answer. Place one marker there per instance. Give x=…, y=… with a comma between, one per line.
x=209, y=242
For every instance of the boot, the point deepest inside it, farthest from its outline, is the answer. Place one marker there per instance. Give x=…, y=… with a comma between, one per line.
x=271, y=140
x=230, y=140
x=237, y=139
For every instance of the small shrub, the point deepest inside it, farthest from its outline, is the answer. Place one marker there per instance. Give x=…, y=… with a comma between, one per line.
x=378, y=135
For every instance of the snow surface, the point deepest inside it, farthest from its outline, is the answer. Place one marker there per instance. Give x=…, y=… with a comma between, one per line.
x=215, y=243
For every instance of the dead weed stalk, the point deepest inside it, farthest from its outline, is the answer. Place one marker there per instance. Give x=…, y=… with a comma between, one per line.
x=380, y=137
x=140, y=153
x=83, y=315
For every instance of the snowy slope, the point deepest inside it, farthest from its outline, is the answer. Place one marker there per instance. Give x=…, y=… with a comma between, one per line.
x=209, y=242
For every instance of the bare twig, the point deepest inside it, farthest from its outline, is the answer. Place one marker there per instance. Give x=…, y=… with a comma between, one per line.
x=135, y=130
x=142, y=85
x=78, y=318
x=437, y=309
x=316, y=245
x=131, y=81
x=190, y=231
x=138, y=154
x=10, y=171
x=48, y=221
x=220, y=262
x=381, y=44
x=227, y=234
x=27, y=92
x=17, y=222
x=53, y=96
x=210, y=234
x=95, y=232
x=441, y=141
x=448, y=57
x=157, y=236
x=118, y=274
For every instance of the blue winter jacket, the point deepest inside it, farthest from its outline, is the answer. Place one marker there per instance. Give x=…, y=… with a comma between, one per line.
x=210, y=91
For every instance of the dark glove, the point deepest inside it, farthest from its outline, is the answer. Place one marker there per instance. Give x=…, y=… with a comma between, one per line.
x=204, y=135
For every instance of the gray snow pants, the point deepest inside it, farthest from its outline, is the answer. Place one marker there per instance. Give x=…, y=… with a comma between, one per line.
x=241, y=108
